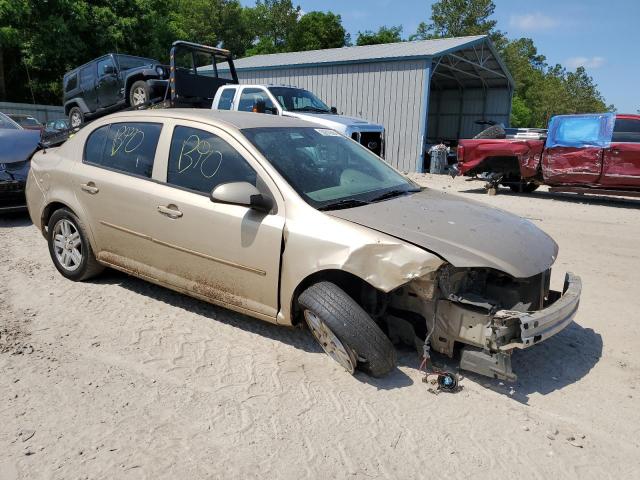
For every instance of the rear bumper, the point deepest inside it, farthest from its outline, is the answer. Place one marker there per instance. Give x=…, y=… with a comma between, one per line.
x=12, y=197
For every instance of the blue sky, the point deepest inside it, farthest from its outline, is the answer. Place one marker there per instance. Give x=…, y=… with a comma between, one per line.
x=602, y=35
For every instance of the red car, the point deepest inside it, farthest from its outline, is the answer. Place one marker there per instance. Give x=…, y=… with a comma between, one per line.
x=27, y=122
x=595, y=153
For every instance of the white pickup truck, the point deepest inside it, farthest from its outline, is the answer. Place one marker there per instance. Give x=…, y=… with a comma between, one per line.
x=299, y=103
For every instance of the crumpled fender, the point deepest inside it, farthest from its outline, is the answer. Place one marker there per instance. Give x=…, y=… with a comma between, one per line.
x=320, y=243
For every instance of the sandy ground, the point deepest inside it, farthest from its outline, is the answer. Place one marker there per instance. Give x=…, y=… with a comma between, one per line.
x=116, y=378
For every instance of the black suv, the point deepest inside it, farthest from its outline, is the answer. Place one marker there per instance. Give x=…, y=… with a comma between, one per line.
x=110, y=83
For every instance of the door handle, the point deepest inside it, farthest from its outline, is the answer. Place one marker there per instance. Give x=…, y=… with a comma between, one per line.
x=170, y=211
x=90, y=187
x=615, y=151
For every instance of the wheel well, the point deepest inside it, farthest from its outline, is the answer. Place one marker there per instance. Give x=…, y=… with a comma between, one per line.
x=48, y=211
x=68, y=107
x=507, y=165
x=365, y=294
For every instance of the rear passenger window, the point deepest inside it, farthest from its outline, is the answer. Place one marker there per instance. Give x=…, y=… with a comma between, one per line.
x=226, y=98
x=72, y=82
x=201, y=161
x=126, y=147
x=626, y=130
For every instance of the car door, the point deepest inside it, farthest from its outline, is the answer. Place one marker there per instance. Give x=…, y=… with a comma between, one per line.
x=622, y=159
x=108, y=86
x=574, y=149
x=88, y=86
x=227, y=254
x=114, y=186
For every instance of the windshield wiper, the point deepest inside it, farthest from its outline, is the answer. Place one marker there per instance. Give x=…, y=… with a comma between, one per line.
x=391, y=194
x=311, y=109
x=347, y=203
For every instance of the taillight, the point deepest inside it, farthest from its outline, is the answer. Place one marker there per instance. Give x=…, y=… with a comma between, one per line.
x=460, y=153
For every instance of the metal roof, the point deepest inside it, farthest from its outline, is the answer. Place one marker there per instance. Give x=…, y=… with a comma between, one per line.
x=458, y=61
x=386, y=51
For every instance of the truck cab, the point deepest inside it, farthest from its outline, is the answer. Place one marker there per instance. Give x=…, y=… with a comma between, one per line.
x=289, y=101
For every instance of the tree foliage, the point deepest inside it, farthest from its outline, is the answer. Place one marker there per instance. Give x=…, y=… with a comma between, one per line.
x=42, y=39
x=383, y=35
x=541, y=90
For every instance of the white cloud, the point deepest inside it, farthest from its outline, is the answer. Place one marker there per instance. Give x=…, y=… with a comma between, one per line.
x=586, y=62
x=530, y=22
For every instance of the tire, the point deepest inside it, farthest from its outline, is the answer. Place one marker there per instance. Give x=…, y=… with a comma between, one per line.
x=494, y=131
x=370, y=348
x=78, y=269
x=139, y=94
x=525, y=187
x=76, y=117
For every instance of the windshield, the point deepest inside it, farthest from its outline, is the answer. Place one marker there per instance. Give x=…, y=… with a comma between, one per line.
x=6, y=122
x=298, y=100
x=126, y=62
x=328, y=170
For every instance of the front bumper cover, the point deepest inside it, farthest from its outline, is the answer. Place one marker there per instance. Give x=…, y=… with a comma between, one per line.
x=538, y=326
x=534, y=328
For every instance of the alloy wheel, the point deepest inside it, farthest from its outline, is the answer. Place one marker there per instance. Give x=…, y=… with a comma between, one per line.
x=329, y=342
x=67, y=245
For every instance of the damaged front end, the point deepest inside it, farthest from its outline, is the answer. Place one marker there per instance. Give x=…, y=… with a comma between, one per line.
x=482, y=313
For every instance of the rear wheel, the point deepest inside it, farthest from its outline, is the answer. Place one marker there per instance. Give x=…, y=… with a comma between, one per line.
x=69, y=247
x=76, y=117
x=345, y=331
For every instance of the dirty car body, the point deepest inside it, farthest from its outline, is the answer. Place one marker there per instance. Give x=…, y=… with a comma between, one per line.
x=255, y=212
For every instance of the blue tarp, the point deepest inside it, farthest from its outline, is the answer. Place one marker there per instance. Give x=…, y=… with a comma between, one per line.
x=579, y=131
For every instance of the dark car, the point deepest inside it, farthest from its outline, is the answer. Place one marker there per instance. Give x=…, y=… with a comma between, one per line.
x=26, y=121
x=110, y=83
x=16, y=147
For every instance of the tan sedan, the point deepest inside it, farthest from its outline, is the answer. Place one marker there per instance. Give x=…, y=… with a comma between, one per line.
x=293, y=223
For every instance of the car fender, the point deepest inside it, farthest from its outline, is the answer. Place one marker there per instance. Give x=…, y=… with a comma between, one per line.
x=315, y=242
x=76, y=101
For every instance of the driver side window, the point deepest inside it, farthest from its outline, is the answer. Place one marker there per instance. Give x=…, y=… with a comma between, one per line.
x=251, y=96
x=106, y=67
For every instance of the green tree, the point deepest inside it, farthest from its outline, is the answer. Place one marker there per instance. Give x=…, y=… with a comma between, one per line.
x=273, y=21
x=459, y=18
x=317, y=30
x=213, y=22
x=383, y=35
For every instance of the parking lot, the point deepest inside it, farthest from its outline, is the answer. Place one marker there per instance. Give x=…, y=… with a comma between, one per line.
x=117, y=378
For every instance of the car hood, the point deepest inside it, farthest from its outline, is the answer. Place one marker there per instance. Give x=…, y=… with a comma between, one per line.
x=18, y=145
x=332, y=120
x=463, y=232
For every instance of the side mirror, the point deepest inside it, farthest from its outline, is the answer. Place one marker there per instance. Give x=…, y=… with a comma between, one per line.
x=334, y=110
x=242, y=193
x=259, y=107
x=109, y=70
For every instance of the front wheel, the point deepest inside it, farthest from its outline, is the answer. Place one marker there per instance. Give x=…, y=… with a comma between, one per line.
x=345, y=331
x=524, y=187
x=139, y=94
x=69, y=247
